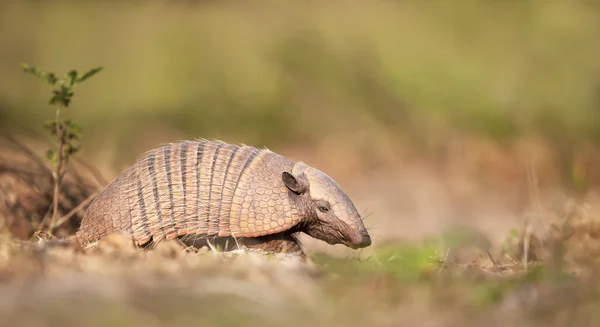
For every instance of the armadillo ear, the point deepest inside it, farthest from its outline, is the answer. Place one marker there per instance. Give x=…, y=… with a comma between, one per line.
x=294, y=184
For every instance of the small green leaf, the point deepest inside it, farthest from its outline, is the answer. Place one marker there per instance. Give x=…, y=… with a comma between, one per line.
x=73, y=136
x=51, y=126
x=56, y=98
x=89, y=74
x=48, y=76
x=49, y=154
x=70, y=150
x=75, y=127
x=32, y=70
x=71, y=77
x=51, y=78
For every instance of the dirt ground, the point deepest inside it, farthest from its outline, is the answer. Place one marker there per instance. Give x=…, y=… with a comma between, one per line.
x=448, y=250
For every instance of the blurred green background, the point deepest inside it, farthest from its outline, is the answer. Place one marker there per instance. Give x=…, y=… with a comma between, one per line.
x=274, y=73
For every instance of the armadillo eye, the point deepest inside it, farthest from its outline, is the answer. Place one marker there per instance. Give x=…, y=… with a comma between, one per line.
x=323, y=209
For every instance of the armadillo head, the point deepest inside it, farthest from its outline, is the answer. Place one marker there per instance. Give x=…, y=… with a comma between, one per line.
x=327, y=211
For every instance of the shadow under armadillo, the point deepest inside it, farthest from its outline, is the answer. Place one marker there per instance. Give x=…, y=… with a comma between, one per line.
x=285, y=242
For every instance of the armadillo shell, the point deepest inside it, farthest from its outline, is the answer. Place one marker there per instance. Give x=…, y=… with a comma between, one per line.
x=199, y=188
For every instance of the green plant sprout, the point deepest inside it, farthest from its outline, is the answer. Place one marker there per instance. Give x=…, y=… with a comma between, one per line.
x=66, y=132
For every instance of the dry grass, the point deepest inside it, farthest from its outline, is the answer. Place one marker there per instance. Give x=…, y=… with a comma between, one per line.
x=458, y=277
x=451, y=280
x=26, y=186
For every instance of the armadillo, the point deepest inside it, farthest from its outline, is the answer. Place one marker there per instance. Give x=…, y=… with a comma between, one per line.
x=209, y=188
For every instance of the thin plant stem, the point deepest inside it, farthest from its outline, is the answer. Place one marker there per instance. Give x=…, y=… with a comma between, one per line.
x=57, y=171
x=68, y=216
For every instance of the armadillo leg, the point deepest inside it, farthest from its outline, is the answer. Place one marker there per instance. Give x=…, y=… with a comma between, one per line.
x=278, y=243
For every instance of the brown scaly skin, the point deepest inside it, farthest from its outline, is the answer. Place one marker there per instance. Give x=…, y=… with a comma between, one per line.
x=217, y=191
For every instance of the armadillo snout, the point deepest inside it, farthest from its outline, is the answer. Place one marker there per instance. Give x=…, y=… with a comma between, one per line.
x=366, y=241
x=359, y=240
